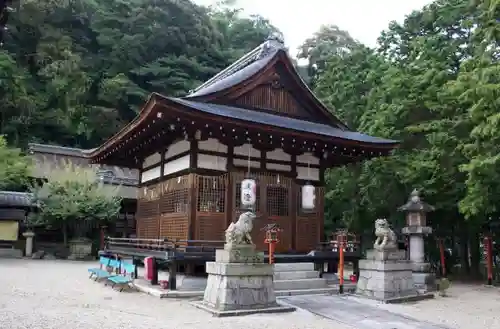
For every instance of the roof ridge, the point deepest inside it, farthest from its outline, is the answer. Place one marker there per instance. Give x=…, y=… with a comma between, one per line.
x=273, y=42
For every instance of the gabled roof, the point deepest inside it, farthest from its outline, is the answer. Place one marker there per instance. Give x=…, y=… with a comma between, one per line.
x=278, y=121
x=213, y=101
x=251, y=65
x=239, y=71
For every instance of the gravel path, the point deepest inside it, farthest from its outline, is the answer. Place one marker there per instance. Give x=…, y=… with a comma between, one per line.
x=58, y=295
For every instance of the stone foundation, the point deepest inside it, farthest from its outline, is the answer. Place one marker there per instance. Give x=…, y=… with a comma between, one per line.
x=386, y=275
x=240, y=283
x=236, y=286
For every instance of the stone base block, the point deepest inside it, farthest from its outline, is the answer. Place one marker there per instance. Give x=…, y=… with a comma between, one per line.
x=238, y=286
x=421, y=267
x=425, y=282
x=216, y=312
x=385, y=276
x=238, y=254
x=385, y=254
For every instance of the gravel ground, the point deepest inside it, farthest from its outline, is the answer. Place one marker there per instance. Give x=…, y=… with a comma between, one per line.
x=58, y=294
x=466, y=307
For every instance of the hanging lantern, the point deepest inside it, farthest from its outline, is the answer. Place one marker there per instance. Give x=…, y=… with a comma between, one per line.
x=248, y=193
x=308, y=196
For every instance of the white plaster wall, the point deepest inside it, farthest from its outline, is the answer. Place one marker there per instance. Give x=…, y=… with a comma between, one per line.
x=151, y=174
x=244, y=149
x=151, y=160
x=307, y=158
x=279, y=167
x=177, y=165
x=177, y=148
x=278, y=154
x=206, y=161
x=307, y=173
x=244, y=163
x=212, y=144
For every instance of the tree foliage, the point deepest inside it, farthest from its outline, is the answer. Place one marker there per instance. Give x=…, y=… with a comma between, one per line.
x=14, y=168
x=75, y=194
x=69, y=66
x=433, y=84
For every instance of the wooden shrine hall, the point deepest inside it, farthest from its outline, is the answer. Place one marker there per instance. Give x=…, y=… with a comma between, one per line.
x=255, y=118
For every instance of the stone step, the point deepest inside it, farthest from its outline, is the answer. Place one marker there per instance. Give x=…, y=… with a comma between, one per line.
x=293, y=267
x=300, y=284
x=319, y=291
x=296, y=275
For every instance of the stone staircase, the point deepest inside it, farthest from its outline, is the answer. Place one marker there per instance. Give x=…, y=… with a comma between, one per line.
x=299, y=279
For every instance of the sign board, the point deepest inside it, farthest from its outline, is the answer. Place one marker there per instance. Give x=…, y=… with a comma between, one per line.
x=9, y=230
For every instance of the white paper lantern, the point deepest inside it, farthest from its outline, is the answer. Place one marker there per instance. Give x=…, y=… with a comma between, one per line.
x=248, y=193
x=308, y=196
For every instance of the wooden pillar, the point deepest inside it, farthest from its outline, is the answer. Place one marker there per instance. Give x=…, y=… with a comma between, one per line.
x=321, y=201
x=294, y=193
x=193, y=190
x=230, y=191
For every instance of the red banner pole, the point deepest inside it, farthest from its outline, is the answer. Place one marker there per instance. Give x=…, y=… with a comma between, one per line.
x=443, y=260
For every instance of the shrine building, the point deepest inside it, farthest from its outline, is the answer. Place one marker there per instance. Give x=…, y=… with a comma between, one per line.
x=257, y=118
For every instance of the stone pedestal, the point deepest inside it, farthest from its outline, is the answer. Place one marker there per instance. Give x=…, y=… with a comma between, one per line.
x=387, y=276
x=80, y=249
x=239, y=283
x=29, y=243
x=424, y=280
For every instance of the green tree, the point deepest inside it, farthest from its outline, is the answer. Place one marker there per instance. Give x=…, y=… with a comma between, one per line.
x=75, y=194
x=69, y=66
x=14, y=168
x=329, y=41
x=477, y=89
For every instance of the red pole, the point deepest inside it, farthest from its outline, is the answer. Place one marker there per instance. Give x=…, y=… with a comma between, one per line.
x=489, y=259
x=443, y=259
x=271, y=252
x=341, y=267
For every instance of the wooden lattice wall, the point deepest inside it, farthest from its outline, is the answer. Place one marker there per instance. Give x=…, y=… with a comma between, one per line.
x=162, y=209
x=211, y=207
x=281, y=204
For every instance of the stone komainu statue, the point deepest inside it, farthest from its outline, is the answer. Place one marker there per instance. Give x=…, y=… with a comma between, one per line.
x=386, y=239
x=239, y=233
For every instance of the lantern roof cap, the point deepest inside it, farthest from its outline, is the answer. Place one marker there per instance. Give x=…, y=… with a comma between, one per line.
x=415, y=204
x=271, y=226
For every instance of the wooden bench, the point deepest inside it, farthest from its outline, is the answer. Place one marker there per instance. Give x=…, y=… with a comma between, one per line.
x=125, y=279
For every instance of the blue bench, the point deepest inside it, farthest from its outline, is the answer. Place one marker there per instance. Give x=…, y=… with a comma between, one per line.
x=125, y=279
x=103, y=264
x=100, y=273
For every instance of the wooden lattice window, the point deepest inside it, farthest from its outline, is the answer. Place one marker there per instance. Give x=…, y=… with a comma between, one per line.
x=211, y=194
x=175, y=195
x=277, y=200
x=238, y=197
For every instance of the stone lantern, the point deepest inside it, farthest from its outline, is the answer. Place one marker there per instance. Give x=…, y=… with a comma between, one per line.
x=416, y=228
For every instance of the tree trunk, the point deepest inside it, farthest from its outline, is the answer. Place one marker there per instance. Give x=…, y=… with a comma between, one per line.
x=65, y=233
x=475, y=254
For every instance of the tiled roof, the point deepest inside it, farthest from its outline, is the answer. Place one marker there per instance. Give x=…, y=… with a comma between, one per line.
x=281, y=121
x=54, y=153
x=242, y=69
x=16, y=199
